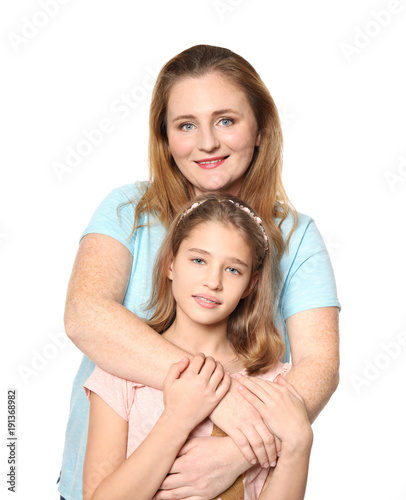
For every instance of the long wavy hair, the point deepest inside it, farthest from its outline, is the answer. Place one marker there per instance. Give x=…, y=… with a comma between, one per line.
x=262, y=187
x=251, y=328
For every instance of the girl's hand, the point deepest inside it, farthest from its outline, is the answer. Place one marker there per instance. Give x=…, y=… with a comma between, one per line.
x=282, y=409
x=192, y=397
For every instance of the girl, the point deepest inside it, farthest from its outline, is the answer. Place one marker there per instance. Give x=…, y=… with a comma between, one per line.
x=213, y=127
x=212, y=291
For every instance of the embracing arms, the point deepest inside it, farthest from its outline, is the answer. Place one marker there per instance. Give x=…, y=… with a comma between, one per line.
x=282, y=408
x=120, y=343
x=188, y=401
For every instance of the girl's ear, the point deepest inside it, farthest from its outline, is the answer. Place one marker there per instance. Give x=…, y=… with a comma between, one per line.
x=251, y=284
x=170, y=267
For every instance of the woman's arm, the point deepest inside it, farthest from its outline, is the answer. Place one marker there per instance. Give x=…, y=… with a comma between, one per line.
x=187, y=402
x=101, y=327
x=314, y=342
x=119, y=342
x=282, y=408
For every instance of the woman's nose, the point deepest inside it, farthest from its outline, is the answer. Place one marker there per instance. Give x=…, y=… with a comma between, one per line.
x=208, y=140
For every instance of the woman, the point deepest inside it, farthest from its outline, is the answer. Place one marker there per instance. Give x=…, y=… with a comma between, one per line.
x=213, y=127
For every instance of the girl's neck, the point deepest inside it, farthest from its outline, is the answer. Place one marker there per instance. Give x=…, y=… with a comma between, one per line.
x=209, y=339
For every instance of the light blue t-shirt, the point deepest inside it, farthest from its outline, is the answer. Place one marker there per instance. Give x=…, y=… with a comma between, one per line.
x=307, y=283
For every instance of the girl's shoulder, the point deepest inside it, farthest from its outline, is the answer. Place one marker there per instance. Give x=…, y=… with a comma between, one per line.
x=270, y=375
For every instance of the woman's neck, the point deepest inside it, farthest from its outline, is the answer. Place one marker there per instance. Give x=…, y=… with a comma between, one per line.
x=209, y=339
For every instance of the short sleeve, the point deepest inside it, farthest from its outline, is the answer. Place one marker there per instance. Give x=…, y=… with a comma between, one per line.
x=117, y=392
x=115, y=215
x=279, y=369
x=310, y=281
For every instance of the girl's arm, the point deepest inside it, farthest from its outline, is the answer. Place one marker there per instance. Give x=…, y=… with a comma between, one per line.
x=283, y=410
x=188, y=401
x=119, y=342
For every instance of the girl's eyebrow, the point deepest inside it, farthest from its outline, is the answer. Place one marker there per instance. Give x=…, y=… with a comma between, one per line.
x=232, y=260
x=215, y=113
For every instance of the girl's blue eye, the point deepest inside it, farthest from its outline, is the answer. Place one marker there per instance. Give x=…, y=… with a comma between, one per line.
x=198, y=261
x=233, y=270
x=187, y=126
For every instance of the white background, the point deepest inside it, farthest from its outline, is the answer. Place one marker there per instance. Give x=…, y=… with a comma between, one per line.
x=343, y=112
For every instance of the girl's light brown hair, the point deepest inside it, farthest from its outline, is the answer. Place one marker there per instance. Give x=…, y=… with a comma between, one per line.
x=251, y=328
x=262, y=187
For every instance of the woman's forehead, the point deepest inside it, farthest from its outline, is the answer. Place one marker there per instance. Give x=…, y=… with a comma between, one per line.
x=206, y=94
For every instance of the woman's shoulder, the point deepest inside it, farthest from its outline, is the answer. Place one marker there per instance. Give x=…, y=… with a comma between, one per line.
x=131, y=192
x=301, y=220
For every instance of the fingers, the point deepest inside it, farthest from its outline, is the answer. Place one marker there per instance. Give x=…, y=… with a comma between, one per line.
x=176, y=370
x=270, y=447
x=213, y=371
x=249, y=390
x=197, y=362
x=284, y=383
x=183, y=492
x=244, y=446
x=224, y=386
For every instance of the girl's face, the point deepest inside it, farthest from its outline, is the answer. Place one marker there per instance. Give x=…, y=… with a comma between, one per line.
x=211, y=272
x=212, y=133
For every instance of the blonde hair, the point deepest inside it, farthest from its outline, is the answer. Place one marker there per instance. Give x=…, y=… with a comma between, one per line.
x=262, y=187
x=251, y=328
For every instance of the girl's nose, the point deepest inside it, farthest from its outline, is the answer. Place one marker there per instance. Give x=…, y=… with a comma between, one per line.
x=208, y=140
x=213, y=280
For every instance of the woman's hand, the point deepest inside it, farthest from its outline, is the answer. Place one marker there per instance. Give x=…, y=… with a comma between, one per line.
x=245, y=426
x=203, y=469
x=283, y=411
x=192, y=397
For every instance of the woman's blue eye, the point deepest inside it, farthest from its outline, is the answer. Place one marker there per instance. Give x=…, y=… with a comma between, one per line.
x=187, y=126
x=226, y=121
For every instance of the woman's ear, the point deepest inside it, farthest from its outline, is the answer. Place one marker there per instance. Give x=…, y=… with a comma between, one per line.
x=170, y=267
x=258, y=139
x=251, y=284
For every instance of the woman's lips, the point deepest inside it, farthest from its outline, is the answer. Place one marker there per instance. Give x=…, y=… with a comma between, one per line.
x=207, y=301
x=208, y=163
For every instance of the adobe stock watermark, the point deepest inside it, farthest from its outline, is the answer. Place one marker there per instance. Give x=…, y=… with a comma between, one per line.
x=382, y=361
x=286, y=117
x=363, y=36
x=30, y=28
x=3, y=238
x=93, y=137
x=319, y=261
x=100, y=471
x=394, y=178
x=42, y=356
x=224, y=7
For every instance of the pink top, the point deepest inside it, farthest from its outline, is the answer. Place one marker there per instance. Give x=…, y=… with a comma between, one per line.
x=141, y=406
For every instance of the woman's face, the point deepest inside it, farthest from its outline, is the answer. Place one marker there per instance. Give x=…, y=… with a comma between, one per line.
x=212, y=132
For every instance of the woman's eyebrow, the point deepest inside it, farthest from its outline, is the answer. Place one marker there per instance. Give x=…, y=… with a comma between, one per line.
x=215, y=113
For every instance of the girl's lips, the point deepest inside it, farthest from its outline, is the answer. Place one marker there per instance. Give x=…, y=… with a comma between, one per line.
x=207, y=301
x=208, y=163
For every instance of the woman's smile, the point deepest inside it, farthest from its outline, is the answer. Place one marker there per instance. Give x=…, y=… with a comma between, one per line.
x=212, y=133
x=211, y=162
